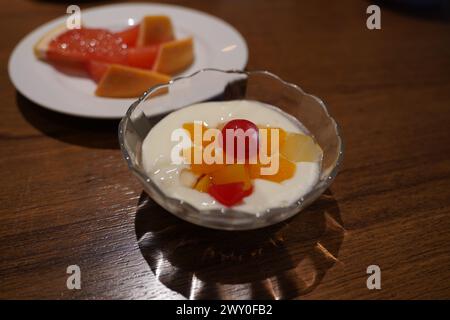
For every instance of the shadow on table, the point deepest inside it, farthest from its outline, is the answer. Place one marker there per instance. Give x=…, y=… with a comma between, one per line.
x=283, y=261
x=92, y=133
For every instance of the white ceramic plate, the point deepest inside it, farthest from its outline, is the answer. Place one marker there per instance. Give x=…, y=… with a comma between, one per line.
x=216, y=43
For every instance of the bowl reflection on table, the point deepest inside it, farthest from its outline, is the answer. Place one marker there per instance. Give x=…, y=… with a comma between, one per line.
x=282, y=261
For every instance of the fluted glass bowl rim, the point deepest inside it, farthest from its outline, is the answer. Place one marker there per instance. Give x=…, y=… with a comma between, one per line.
x=259, y=220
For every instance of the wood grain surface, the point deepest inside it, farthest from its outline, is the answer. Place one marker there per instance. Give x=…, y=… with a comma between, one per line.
x=67, y=196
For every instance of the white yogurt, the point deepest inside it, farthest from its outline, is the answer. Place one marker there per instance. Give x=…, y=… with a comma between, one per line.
x=157, y=147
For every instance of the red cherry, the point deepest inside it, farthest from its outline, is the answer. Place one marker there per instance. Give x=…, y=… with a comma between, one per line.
x=248, y=129
x=228, y=194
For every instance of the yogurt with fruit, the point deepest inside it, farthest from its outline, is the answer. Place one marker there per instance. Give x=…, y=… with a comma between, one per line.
x=277, y=164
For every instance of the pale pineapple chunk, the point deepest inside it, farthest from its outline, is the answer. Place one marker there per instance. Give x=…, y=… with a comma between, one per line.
x=300, y=148
x=188, y=178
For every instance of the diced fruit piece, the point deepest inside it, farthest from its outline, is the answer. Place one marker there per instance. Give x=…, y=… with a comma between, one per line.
x=232, y=173
x=189, y=127
x=299, y=147
x=189, y=153
x=97, y=70
x=204, y=168
x=126, y=82
x=129, y=35
x=228, y=194
x=243, y=131
x=154, y=30
x=201, y=167
x=142, y=57
x=254, y=170
x=188, y=178
x=203, y=183
x=286, y=170
x=270, y=130
x=174, y=56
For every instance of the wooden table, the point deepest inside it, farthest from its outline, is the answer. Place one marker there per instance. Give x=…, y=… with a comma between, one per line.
x=67, y=197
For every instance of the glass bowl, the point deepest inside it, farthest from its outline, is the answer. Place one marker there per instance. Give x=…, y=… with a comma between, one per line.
x=219, y=85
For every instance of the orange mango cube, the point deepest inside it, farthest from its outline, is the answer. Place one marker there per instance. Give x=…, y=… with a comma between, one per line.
x=232, y=173
x=201, y=167
x=189, y=127
x=268, y=141
x=203, y=183
x=286, y=170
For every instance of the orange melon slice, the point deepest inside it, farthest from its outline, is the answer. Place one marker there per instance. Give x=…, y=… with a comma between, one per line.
x=154, y=30
x=266, y=144
x=126, y=82
x=175, y=56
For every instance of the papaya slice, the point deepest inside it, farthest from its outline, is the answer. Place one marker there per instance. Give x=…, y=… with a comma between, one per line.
x=174, y=56
x=154, y=30
x=126, y=82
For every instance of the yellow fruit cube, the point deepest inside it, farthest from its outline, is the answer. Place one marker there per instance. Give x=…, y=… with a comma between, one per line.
x=300, y=148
